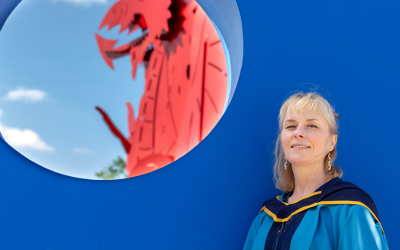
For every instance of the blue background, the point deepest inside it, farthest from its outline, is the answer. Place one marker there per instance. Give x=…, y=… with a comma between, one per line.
x=349, y=51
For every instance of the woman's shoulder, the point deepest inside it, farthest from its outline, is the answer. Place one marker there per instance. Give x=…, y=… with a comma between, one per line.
x=345, y=192
x=344, y=188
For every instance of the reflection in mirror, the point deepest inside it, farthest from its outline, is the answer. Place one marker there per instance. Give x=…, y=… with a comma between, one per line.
x=109, y=90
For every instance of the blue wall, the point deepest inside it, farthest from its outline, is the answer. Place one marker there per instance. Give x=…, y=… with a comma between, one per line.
x=207, y=199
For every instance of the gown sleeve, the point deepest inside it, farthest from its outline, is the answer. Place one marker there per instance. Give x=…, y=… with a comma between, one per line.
x=250, y=237
x=361, y=232
x=253, y=232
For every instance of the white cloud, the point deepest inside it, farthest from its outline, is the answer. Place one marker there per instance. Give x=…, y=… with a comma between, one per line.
x=24, y=138
x=83, y=2
x=34, y=95
x=81, y=150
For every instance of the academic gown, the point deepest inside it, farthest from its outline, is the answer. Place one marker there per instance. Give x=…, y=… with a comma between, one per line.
x=340, y=217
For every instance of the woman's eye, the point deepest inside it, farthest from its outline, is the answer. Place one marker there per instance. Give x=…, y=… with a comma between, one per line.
x=290, y=127
x=313, y=126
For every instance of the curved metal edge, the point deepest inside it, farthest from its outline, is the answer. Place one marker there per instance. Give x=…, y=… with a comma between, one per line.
x=225, y=14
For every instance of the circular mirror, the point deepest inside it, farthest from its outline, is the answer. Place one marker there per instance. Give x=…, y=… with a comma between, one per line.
x=102, y=89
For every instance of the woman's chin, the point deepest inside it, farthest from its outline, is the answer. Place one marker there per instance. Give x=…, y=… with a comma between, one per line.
x=301, y=162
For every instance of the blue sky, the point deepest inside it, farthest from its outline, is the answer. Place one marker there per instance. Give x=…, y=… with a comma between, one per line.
x=51, y=78
x=49, y=47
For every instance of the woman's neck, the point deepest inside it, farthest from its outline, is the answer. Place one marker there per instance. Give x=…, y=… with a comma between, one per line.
x=307, y=180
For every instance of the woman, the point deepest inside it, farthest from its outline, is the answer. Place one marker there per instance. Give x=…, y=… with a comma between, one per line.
x=317, y=209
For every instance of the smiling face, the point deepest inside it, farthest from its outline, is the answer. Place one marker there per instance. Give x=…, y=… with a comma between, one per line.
x=306, y=139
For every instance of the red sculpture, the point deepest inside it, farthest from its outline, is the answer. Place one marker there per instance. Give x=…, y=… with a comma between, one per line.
x=186, y=78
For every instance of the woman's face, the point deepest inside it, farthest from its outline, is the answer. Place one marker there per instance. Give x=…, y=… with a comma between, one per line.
x=306, y=139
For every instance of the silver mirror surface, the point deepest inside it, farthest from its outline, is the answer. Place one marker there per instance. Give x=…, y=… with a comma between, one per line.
x=57, y=66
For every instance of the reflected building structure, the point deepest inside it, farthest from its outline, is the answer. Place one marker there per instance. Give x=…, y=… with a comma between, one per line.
x=186, y=79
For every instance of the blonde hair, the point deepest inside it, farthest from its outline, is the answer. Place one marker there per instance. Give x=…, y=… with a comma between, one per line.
x=300, y=102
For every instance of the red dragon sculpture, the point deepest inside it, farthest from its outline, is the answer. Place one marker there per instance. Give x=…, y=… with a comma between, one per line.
x=186, y=78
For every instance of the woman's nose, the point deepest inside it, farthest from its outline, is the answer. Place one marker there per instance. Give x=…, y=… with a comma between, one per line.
x=298, y=132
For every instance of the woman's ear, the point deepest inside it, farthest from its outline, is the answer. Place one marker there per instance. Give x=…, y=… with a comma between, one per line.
x=334, y=141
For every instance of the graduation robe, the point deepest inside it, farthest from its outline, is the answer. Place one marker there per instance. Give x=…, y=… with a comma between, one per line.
x=341, y=217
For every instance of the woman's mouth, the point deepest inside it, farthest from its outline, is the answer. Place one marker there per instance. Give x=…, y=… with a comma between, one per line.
x=300, y=147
